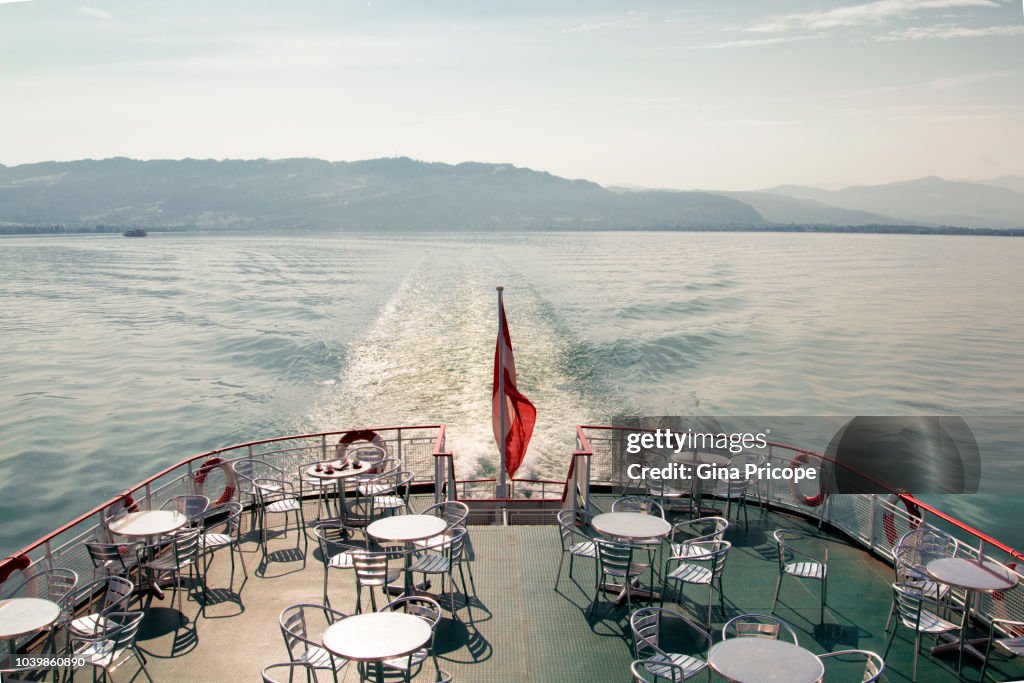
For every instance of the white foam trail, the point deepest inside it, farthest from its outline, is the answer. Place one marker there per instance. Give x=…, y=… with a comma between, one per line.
x=429, y=357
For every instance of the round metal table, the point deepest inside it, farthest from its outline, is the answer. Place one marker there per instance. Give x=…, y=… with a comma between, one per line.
x=973, y=576
x=762, y=660
x=338, y=476
x=22, y=616
x=148, y=523
x=407, y=529
x=376, y=636
x=633, y=526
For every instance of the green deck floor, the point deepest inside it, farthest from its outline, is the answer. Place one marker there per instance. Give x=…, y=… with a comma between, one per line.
x=522, y=628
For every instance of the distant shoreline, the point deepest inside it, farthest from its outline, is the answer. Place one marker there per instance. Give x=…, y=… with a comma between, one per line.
x=29, y=230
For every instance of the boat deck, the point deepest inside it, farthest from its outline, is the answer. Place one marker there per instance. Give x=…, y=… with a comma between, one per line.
x=520, y=626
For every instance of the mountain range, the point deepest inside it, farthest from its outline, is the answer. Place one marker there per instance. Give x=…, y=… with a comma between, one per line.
x=401, y=194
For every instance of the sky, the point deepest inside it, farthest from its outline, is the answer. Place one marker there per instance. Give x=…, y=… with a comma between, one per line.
x=684, y=94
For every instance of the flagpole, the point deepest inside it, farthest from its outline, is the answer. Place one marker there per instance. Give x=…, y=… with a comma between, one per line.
x=501, y=400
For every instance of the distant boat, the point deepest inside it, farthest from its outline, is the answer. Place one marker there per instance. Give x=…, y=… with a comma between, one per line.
x=134, y=232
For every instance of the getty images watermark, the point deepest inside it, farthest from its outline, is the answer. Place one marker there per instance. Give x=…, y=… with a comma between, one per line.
x=686, y=445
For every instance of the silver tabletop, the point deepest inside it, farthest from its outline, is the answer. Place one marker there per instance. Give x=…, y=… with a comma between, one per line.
x=634, y=526
x=761, y=660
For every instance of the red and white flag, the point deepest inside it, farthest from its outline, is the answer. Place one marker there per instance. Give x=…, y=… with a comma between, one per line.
x=520, y=415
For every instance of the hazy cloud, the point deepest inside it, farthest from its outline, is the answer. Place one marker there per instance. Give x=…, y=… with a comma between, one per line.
x=949, y=32
x=98, y=13
x=874, y=12
x=758, y=42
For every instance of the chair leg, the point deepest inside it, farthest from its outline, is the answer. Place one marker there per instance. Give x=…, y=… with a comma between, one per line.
x=778, y=587
x=558, y=574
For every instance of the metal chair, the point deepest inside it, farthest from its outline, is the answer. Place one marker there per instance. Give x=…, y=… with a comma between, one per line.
x=685, y=534
x=615, y=561
x=112, y=559
x=454, y=513
x=429, y=611
x=374, y=569
x=49, y=584
x=302, y=636
x=192, y=506
x=247, y=471
x=731, y=490
x=115, y=593
x=758, y=626
x=276, y=496
x=656, y=671
x=286, y=668
x=574, y=540
x=703, y=564
x=642, y=504
x=442, y=562
x=1008, y=636
x=795, y=560
x=337, y=545
x=174, y=555
x=910, y=572
x=111, y=646
x=647, y=625
x=912, y=613
x=393, y=492
x=221, y=527
x=862, y=666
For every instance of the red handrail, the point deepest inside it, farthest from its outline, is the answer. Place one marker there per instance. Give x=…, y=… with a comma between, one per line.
x=905, y=496
x=16, y=558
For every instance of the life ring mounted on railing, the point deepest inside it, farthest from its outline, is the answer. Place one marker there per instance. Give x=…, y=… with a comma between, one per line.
x=359, y=435
x=803, y=459
x=229, y=476
x=916, y=517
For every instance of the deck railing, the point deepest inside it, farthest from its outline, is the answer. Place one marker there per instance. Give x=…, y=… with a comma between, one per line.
x=415, y=446
x=876, y=522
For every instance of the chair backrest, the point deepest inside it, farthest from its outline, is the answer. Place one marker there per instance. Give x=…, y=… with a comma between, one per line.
x=49, y=584
x=272, y=490
x=247, y=471
x=427, y=609
x=117, y=632
x=457, y=545
x=226, y=515
x=572, y=522
x=299, y=621
x=647, y=625
x=184, y=545
x=918, y=547
x=335, y=538
x=614, y=558
x=116, y=592
x=869, y=666
x=909, y=602
x=657, y=671
x=453, y=512
x=189, y=505
x=116, y=558
x=758, y=626
x=638, y=504
x=285, y=671
x=372, y=567
x=715, y=553
x=700, y=529
x=792, y=543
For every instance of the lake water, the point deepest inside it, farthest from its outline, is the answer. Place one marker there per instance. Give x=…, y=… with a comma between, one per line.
x=119, y=356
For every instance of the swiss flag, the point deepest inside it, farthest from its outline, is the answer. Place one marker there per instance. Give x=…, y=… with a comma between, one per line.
x=520, y=415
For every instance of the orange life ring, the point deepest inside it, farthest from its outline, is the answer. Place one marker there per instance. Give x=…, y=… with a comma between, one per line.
x=15, y=563
x=817, y=499
x=360, y=435
x=129, y=503
x=889, y=520
x=229, y=475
